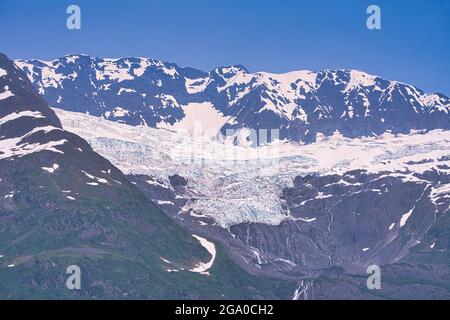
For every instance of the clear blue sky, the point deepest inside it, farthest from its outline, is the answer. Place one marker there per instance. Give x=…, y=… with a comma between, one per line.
x=264, y=35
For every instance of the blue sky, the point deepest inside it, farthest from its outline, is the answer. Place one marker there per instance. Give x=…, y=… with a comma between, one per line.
x=264, y=35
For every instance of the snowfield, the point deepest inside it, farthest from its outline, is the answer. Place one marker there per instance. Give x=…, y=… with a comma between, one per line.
x=6, y=93
x=203, y=267
x=238, y=183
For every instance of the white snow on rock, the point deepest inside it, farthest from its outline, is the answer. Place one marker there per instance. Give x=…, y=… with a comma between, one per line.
x=320, y=195
x=92, y=177
x=441, y=192
x=171, y=71
x=289, y=262
x=436, y=101
x=164, y=202
x=17, y=115
x=165, y=260
x=238, y=77
x=3, y=72
x=126, y=90
x=405, y=217
x=6, y=94
x=201, y=121
x=143, y=65
x=359, y=78
x=202, y=267
x=51, y=169
x=119, y=112
x=9, y=196
x=15, y=147
x=303, y=290
x=50, y=78
x=71, y=58
x=168, y=100
x=284, y=93
x=156, y=183
x=196, y=85
x=308, y=220
x=110, y=69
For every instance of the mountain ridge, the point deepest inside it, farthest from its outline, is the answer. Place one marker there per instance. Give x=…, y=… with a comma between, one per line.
x=300, y=104
x=238, y=66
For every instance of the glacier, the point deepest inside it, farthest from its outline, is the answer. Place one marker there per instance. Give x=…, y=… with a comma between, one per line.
x=233, y=184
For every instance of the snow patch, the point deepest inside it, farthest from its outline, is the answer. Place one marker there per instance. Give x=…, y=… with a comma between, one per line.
x=6, y=94
x=17, y=115
x=165, y=202
x=15, y=147
x=195, y=85
x=201, y=120
x=405, y=217
x=126, y=90
x=165, y=260
x=201, y=267
x=119, y=112
x=51, y=169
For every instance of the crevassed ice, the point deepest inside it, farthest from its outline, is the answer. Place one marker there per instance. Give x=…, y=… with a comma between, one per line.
x=238, y=184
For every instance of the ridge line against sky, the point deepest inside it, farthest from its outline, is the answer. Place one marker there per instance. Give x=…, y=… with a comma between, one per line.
x=264, y=36
x=225, y=66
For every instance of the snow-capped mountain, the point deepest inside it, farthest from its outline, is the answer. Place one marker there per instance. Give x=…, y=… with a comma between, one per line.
x=368, y=187
x=301, y=104
x=63, y=204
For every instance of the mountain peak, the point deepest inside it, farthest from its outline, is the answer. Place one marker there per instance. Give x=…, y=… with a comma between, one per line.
x=141, y=91
x=231, y=70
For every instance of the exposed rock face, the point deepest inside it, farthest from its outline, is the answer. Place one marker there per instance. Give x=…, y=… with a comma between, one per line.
x=340, y=225
x=177, y=181
x=350, y=221
x=360, y=219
